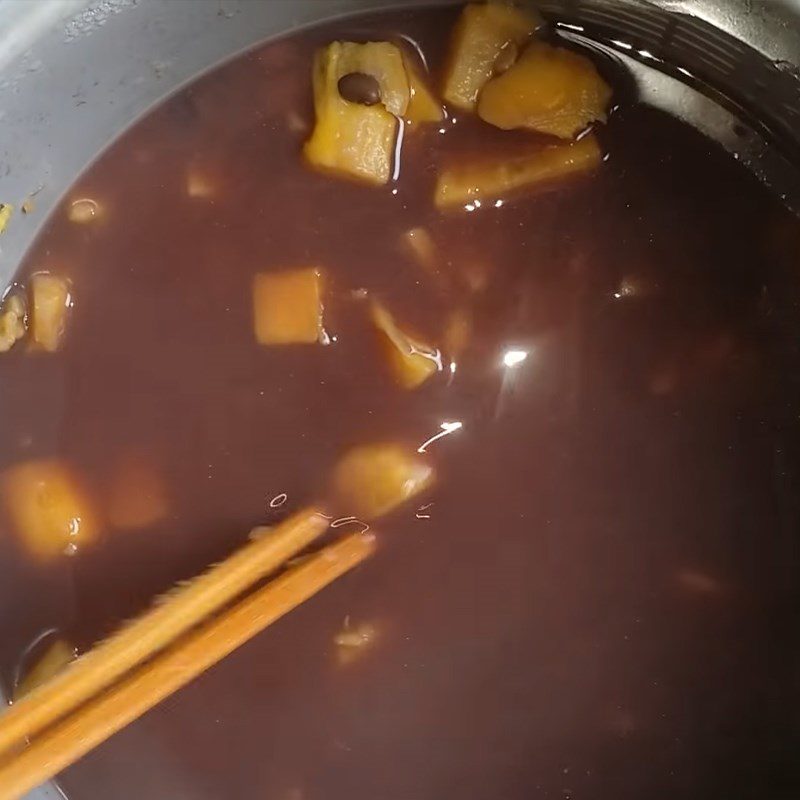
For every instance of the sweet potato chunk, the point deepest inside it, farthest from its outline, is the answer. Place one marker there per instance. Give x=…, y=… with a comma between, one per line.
x=138, y=495
x=384, y=61
x=420, y=245
x=481, y=34
x=550, y=90
x=48, y=508
x=201, y=182
x=58, y=655
x=372, y=480
x=12, y=322
x=6, y=210
x=349, y=138
x=411, y=361
x=50, y=301
x=472, y=185
x=353, y=140
x=422, y=106
x=288, y=306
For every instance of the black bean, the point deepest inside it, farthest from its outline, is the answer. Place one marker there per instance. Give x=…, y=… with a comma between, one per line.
x=358, y=87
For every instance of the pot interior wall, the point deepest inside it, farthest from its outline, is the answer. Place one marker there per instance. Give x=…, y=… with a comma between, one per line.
x=75, y=75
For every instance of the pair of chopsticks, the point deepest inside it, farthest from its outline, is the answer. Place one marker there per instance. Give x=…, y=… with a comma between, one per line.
x=158, y=653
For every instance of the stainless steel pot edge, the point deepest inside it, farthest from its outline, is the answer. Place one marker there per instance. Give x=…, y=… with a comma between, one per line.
x=75, y=73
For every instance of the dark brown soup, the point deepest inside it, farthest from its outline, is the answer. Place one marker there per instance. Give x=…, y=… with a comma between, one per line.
x=598, y=596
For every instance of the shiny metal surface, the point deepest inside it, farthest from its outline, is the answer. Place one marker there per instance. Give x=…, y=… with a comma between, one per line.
x=75, y=73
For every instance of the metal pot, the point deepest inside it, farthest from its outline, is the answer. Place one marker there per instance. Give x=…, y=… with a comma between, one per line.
x=75, y=73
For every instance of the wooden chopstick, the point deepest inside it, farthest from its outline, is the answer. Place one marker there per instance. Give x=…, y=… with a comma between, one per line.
x=100, y=718
x=139, y=640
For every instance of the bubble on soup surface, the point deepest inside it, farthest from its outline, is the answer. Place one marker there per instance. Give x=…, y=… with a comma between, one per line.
x=83, y=210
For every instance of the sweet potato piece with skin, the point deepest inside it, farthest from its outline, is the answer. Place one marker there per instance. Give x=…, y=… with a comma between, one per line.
x=372, y=480
x=287, y=306
x=348, y=138
x=48, y=507
x=550, y=90
x=50, y=301
x=472, y=185
x=411, y=361
x=480, y=35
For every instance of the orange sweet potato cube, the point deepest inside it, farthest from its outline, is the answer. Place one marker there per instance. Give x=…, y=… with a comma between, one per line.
x=550, y=90
x=372, y=480
x=411, y=361
x=50, y=302
x=48, y=507
x=482, y=33
x=288, y=306
x=137, y=495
